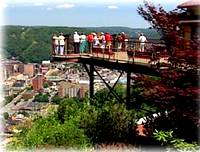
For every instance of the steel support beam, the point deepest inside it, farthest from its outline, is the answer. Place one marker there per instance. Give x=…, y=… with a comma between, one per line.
x=128, y=89
x=109, y=87
x=91, y=75
x=114, y=85
x=91, y=78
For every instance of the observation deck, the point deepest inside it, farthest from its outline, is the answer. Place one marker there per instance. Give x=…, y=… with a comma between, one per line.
x=129, y=59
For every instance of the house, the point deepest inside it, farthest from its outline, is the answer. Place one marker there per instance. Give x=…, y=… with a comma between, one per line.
x=190, y=21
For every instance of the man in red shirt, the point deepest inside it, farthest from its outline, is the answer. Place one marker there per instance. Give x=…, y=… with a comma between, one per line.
x=108, y=39
x=90, y=39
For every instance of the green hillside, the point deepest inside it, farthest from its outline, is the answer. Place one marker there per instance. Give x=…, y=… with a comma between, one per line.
x=33, y=43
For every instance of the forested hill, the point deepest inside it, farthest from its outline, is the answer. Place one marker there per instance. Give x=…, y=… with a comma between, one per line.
x=33, y=43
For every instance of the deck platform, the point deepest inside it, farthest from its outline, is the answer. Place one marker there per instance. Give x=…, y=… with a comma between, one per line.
x=117, y=60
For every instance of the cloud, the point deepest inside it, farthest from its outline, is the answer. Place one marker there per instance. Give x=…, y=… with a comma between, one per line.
x=38, y=4
x=66, y=5
x=112, y=7
x=4, y=5
x=49, y=8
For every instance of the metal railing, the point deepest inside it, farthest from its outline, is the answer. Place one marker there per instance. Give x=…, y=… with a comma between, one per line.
x=131, y=45
x=131, y=50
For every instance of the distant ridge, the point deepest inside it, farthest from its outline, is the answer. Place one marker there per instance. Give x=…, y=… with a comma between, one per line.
x=33, y=43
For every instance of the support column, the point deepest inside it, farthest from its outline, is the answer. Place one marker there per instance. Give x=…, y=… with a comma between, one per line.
x=128, y=88
x=91, y=75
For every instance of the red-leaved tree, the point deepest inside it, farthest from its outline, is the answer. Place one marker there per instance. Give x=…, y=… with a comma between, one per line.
x=177, y=91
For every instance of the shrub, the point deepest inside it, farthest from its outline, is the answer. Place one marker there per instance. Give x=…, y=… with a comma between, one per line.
x=166, y=138
x=5, y=115
x=48, y=131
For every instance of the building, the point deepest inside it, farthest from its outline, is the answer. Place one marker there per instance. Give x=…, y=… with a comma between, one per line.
x=37, y=82
x=46, y=65
x=29, y=69
x=72, y=90
x=9, y=67
x=44, y=69
x=190, y=21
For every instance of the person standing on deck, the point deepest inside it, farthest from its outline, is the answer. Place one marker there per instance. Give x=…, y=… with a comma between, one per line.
x=96, y=40
x=119, y=41
x=61, y=43
x=76, y=42
x=55, y=41
x=108, y=39
x=142, y=40
x=103, y=40
x=90, y=39
x=124, y=41
x=83, y=43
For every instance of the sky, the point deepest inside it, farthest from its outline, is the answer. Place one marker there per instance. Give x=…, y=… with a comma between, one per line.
x=79, y=13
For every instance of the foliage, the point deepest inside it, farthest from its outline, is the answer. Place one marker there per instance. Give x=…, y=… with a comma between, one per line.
x=45, y=85
x=177, y=107
x=67, y=109
x=48, y=131
x=167, y=23
x=41, y=97
x=26, y=114
x=114, y=123
x=164, y=22
x=177, y=90
x=29, y=88
x=166, y=138
x=56, y=99
x=8, y=99
x=6, y=115
x=105, y=121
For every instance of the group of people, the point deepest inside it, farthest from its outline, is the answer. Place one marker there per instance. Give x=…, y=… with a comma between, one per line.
x=83, y=43
x=59, y=44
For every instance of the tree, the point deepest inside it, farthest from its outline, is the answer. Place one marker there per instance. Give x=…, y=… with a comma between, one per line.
x=168, y=25
x=177, y=91
x=42, y=98
x=56, y=99
x=8, y=99
x=6, y=115
x=45, y=85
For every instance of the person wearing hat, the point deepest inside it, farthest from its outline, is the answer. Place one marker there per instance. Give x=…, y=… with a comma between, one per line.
x=61, y=43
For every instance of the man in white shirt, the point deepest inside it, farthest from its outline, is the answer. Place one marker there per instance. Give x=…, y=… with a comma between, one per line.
x=61, y=43
x=76, y=42
x=55, y=44
x=142, y=40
